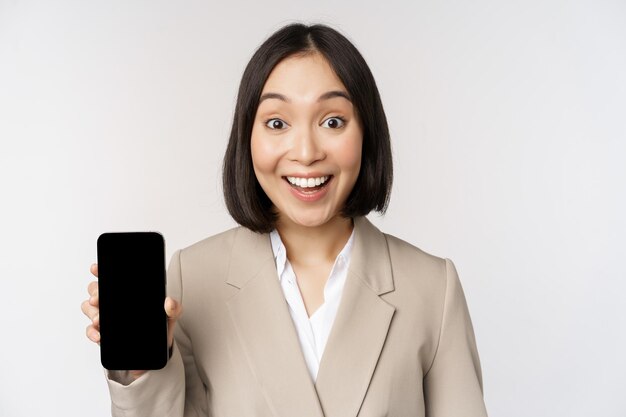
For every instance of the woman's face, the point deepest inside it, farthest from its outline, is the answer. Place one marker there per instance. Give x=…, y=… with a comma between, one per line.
x=306, y=141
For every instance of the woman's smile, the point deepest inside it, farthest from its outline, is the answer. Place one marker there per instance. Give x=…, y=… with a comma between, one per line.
x=309, y=189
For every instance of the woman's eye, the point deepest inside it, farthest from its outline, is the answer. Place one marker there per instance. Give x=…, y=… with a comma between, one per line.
x=275, y=124
x=334, y=122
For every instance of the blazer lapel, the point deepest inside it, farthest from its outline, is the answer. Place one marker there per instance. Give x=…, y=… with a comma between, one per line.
x=264, y=327
x=361, y=325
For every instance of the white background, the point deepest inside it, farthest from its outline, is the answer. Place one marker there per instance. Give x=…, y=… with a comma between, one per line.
x=509, y=137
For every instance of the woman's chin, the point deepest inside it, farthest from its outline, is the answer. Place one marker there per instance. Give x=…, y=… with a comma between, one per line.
x=310, y=220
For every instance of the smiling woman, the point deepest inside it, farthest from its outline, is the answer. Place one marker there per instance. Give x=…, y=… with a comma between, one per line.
x=307, y=309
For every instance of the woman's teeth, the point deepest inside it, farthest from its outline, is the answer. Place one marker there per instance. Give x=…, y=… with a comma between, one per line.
x=307, y=182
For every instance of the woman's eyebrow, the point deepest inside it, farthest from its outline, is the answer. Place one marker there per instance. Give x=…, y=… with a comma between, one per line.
x=277, y=96
x=326, y=96
x=333, y=94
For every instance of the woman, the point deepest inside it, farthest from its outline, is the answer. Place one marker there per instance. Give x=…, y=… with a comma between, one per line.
x=307, y=309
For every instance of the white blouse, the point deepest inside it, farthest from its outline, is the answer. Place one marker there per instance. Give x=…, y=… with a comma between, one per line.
x=312, y=331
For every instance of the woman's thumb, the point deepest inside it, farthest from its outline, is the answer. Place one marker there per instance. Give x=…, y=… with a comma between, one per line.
x=172, y=308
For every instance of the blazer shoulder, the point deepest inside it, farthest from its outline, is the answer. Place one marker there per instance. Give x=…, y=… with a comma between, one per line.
x=218, y=246
x=412, y=257
x=215, y=255
x=201, y=265
x=421, y=280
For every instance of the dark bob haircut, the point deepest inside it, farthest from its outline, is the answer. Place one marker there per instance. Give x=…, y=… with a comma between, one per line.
x=245, y=199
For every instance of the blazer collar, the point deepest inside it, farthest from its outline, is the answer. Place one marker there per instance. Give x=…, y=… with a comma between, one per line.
x=249, y=251
x=370, y=257
x=264, y=327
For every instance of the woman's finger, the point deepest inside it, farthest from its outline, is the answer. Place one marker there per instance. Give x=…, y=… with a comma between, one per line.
x=89, y=310
x=92, y=288
x=92, y=334
x=94, y=300
x=174, y=310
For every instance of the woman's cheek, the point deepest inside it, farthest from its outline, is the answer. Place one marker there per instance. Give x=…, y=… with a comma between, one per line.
x=349, y=153
x=263, y=152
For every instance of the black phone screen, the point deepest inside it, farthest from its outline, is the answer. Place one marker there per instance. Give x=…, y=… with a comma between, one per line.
x=131, y=288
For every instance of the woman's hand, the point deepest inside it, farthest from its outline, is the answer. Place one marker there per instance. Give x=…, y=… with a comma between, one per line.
x=90, y=307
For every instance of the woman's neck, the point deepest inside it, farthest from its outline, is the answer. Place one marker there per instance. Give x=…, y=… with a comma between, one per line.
x=312, y=245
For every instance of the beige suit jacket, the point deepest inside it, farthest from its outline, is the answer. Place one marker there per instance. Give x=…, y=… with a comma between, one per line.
x=402, y=343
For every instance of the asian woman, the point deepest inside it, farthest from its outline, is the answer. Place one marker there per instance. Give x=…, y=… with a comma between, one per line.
x=306, y=308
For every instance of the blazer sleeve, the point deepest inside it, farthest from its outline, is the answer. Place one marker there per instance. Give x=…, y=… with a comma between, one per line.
x=453, y=385
x=174, y=391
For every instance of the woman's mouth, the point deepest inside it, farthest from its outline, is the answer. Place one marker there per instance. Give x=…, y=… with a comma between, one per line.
x=309, y=185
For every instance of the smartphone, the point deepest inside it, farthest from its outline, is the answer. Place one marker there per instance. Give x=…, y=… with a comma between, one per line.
x=131, y=288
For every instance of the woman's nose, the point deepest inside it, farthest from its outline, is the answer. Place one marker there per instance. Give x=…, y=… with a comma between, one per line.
x=306, y=147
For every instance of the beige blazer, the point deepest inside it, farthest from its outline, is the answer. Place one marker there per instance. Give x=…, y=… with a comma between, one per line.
x=402, y=343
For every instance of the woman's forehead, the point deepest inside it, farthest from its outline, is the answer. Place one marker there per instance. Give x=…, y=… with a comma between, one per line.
x=303, y=77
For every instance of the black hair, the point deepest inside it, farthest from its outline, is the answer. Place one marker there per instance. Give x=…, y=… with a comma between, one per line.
x=246, y=201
